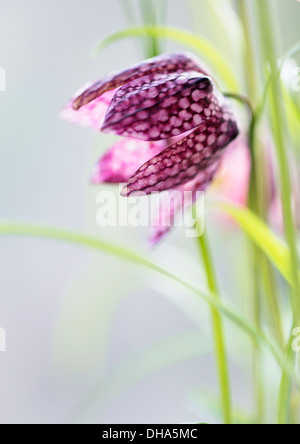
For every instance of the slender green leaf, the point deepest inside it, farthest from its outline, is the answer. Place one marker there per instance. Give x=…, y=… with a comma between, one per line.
x=220, y=21
x=290, y=54
x=14, y=229
x=202, y=46
x=263, y=237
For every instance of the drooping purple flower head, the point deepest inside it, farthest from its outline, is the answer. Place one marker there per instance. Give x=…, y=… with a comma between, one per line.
x=176, y=121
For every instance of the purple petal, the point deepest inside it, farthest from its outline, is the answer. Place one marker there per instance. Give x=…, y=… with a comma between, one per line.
x=163, y=64
x=172, y=205
x=92, y=115
x=183, y=160
x=155, y=108
x=119, y=163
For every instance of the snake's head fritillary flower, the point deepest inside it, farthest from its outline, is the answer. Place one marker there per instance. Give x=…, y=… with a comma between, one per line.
x=175, y=120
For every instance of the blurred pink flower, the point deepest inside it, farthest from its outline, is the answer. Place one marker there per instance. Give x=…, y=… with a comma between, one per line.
x=152, y=104
x=232, y=180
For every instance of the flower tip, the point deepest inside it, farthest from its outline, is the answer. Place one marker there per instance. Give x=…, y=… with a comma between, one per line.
x=67, y=114
x=125, y=192
x=207, y=85
x=153, y=240
x=62, y=113
x=94, y=179
x=104, y=128
x=75, y=105
x=98, y=175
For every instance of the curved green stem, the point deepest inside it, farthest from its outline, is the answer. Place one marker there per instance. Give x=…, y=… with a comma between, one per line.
x=245, y=100
x=16, y=229
x=190, y=39
x=221, y=357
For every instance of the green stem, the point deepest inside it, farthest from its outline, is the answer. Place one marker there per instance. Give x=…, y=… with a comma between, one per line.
x=258, y=383
x=244, y=100
x=251, y=81
x=283, y=413
x=278, y=125
x=221, y=357
x=149, y=18
x=268, y=41
x=250, y=64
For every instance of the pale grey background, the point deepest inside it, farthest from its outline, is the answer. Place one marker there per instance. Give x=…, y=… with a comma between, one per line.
x=56, y=300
